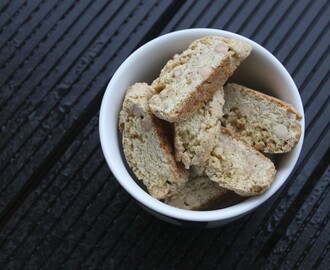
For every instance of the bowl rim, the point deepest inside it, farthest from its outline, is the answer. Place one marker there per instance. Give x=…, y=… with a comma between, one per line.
x=161, y=208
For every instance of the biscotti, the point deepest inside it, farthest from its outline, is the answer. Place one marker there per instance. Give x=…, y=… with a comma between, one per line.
x=266, y=123
x=190, y=79
x=197, y=144
x=198, y=194
x=237, y=166
x=195, y=137
x=147, y=146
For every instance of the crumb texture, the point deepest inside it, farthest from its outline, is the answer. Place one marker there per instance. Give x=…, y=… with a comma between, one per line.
x=146, y=145
x=198, y=194
x=196, y=137
x=266, y=123
x=191, y=78
x=238, y=167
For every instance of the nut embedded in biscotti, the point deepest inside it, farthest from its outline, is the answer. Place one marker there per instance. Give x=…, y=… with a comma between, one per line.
x=195, y=137
x=236, y=166
x=269, y=124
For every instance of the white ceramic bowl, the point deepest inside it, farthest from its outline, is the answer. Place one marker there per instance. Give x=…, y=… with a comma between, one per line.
x=261, y=71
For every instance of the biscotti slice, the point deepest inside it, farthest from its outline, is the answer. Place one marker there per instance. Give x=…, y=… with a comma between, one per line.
x=238, y=167
x=147, y=146
x=190, y=79
x=268, y=124
x=198, y=194
x=195, y=137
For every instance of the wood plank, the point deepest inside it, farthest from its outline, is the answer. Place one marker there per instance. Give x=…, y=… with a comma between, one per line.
x=309, y=222
x=57, y=119
x=60, y=205
x=19, y=16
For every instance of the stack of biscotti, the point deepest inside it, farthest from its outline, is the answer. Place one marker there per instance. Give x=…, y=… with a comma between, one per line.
x=185, y=84
x=189, y=121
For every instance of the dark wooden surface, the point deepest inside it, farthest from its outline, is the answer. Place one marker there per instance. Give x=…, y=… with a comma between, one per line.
x=60, y=206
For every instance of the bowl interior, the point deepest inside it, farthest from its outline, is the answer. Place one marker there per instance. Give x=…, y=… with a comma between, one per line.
x=260, y=71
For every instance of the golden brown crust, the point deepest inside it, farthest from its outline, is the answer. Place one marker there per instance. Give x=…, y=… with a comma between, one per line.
x=146, y=145
x=166, y=143
x=204, y=91
x=189, y=80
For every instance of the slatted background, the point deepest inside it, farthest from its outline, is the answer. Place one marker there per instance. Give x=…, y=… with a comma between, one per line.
x=60, y=206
